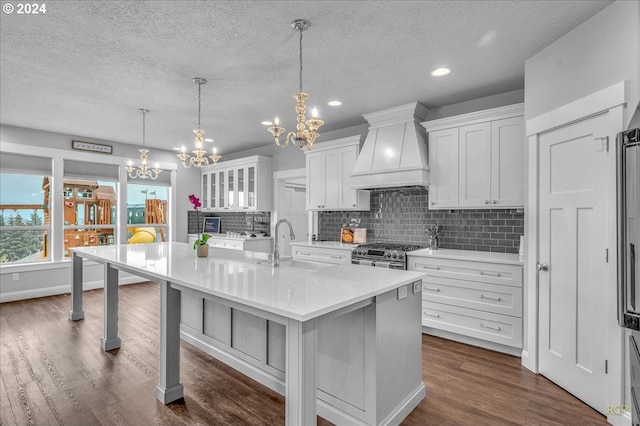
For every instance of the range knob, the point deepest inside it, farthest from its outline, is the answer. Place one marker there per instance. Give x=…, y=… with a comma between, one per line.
x=400, y=256
x=395, y=255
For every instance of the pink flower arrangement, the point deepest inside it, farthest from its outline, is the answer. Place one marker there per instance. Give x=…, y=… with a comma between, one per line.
x=195, y=201
x=202, y=239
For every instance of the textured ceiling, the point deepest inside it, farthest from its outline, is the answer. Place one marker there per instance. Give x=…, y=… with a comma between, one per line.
x=85, y=67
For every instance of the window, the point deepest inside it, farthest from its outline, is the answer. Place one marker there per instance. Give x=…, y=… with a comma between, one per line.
x=147, y=209
x=89, y=213
x=24, y=210
x=89, y=209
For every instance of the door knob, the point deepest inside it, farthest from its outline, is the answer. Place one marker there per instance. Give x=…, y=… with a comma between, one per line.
x=543, y=267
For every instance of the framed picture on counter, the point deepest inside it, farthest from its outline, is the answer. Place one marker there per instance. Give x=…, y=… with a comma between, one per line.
x=211, y=225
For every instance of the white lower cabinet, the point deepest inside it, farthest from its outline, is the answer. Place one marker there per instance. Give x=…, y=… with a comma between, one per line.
x=249, y=244
x=472, y=301
x=318, y=253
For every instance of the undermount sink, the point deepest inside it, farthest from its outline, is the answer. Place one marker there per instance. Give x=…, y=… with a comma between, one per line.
x=289, y=262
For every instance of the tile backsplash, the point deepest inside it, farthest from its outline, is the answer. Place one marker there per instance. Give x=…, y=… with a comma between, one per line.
x=402, y=216
x=231, y=222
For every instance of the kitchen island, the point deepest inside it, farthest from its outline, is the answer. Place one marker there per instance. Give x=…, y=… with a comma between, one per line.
x=339, y=341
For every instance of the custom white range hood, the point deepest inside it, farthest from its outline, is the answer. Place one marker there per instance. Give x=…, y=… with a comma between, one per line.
x=394, y=154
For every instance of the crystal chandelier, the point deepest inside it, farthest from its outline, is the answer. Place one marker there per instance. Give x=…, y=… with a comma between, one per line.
x=200, y=158
x=306, y=130
x=143, y=171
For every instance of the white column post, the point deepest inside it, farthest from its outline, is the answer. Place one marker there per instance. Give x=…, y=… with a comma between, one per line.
x=300, y=392
x=169, y=389
x=76, y=312
x=110, y=339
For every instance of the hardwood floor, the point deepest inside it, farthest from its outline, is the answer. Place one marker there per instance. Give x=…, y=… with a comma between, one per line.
x=52, y=371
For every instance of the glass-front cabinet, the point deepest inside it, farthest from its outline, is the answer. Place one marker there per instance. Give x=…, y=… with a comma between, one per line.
x=245, y=184
x=205, y=191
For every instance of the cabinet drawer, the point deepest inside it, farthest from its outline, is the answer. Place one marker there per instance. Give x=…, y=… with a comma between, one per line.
x=322, y=254
x=491, y=273
x=234, y=245
x=497, y=328
x=499, y=299
x=228, y=244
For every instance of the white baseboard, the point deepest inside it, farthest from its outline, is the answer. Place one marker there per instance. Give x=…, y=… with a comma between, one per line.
x=61, y=289
x=472, y=341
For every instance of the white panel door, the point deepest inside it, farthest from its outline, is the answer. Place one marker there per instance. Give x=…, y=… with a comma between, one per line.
x=475, y=165
x=291, y=206
x=572, y=282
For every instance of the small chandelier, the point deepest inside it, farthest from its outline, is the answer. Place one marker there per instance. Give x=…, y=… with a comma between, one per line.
x=143, y=171
x=306, y=130
x=200, y=158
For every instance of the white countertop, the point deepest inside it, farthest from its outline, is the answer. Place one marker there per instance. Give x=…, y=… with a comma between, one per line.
x=325, y=244
x=298, y=292
x=225, y=237
x=478, y=256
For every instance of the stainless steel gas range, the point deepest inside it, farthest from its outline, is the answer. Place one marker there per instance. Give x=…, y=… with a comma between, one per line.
x=382, y=255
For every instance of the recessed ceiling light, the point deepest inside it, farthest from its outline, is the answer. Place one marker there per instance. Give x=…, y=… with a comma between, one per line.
x=334, y=103
x=267, y=123
x=440, y=72
x=178, y=149
x=208, y=140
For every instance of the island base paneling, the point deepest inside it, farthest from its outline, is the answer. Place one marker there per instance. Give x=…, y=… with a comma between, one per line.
x=361, y=378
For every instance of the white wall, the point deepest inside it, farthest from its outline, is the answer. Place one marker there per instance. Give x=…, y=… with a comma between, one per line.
x=488, y=102
x=600, y=52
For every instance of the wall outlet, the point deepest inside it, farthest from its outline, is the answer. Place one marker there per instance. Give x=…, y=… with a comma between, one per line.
x=402, y=292
x=15, y=276
x=417, y=287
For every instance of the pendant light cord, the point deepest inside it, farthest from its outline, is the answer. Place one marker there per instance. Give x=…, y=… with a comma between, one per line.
x=144, y=114
x=199, y=86
x=300, y=59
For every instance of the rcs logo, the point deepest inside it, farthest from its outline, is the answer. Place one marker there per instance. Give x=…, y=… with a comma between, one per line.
x=616, y=409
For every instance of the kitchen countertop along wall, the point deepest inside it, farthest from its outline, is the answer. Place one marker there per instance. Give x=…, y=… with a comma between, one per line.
x=402, y=216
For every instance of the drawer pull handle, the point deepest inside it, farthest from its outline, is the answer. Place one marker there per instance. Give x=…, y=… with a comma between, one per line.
x=432, y=315
x=432, y=289
x=490, y=328
x=490, y=274
x=497, y=299
x=435, y=268
x=336, y=257
x=304, y=253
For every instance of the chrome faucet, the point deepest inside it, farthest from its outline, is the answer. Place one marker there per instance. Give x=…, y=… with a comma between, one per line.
x=275, y=256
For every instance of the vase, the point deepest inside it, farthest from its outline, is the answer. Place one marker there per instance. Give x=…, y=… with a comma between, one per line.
x=202, y=250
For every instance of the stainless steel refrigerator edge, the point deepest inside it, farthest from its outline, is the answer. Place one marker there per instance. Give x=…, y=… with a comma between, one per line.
x=628, y=199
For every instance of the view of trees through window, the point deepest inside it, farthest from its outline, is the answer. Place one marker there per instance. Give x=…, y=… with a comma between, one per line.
x=22, y=219
x=16, y=245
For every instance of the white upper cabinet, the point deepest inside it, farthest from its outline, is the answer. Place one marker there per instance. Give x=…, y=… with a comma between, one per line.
x=329, y=168
x=245, y=184
x=474, y=144
x=443, y=169
x=476, y=159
